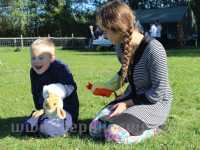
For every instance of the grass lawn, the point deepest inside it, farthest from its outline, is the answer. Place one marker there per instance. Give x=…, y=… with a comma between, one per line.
x=183, y=126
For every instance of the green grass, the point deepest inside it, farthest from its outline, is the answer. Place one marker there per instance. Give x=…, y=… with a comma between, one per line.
x=182, y=129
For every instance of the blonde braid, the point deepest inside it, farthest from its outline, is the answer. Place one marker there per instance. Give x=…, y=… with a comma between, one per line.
x=117, y=16
x=127, y=53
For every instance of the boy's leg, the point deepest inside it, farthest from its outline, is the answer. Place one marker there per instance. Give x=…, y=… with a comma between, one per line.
x=51, y=127
x=30, y=125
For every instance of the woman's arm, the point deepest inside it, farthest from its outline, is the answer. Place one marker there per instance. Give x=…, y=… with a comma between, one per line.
x=129, y=103
x=156, y=63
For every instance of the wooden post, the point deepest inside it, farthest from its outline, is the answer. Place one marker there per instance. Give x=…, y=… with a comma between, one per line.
x=72, y=40
x=15, y=42
x=196, y=43
x=180, y=35
x=22, y=43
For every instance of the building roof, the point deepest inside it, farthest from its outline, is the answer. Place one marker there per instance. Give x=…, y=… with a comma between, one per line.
x=164, y=15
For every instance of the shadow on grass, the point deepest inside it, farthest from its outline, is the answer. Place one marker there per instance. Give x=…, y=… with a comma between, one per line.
x=82, y=131
x=183, y=53
x=9, y=126
x=170, y=52
x=96, y=53
x=12, y=127
x=91, y=51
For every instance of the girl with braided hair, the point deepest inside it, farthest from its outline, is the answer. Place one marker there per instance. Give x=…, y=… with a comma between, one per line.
x=145, y=105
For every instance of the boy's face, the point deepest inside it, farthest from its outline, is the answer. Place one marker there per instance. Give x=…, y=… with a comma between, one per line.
x=40, y=61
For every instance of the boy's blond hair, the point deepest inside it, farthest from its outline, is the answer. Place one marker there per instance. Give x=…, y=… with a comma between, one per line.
x=43, y=45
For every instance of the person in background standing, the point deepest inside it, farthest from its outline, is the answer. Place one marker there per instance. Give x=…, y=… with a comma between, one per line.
x=97, y=33
x=158, y=31
x=91, y=36
x=153, y=31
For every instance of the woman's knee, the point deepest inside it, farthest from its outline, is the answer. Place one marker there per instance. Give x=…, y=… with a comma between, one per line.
x=96, y=129
x=116, y=133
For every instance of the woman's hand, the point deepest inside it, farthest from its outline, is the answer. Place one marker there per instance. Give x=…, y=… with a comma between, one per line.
x=120, y=107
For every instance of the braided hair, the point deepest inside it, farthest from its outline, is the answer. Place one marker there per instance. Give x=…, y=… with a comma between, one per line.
x=127, y=54
x=120, y=19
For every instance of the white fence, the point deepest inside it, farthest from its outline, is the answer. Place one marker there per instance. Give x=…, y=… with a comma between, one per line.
x=65, y=42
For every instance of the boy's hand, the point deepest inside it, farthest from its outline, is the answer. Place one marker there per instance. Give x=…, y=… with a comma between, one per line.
x=38, y=113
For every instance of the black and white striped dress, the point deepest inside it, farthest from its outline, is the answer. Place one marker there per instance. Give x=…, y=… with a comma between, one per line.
x=154, y=96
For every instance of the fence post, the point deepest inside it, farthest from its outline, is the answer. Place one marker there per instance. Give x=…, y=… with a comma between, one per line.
x=196, y=43
x=22, y=43
x=72, y=40
x=15, y=43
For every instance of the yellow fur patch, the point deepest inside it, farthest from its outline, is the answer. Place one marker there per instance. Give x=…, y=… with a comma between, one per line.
x=52, y=101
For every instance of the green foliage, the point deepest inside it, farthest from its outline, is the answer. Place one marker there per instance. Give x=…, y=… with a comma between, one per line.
x=57, y=15
x=37, y=17
x=181, y=132
x=134, y=3
x=19, y=16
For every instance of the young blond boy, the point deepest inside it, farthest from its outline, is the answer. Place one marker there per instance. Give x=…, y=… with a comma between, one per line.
x=45, y=70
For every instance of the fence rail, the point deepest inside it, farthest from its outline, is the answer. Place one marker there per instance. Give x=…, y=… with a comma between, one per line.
x=65, y=42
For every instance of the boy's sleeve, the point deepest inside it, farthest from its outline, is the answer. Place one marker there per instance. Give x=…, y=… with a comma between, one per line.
x=38, y=100
x=63, y=75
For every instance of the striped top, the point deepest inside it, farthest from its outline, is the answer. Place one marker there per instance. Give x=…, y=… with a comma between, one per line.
x=150, y=76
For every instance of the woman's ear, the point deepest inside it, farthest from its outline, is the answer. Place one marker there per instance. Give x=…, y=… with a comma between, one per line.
x=61, y=113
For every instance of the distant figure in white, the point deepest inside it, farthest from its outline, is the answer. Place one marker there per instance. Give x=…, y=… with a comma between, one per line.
x=153, y=31
x=159, y=30
x=91, y=36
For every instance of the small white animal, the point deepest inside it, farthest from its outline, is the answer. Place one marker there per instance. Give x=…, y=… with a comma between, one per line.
x=53, y=119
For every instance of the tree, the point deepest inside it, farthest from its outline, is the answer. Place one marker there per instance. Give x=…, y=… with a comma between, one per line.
x=56, y=15
x=195, y=5
x=84, y=10
x=150, y=4
x=5, y=22
x=20, y=15
x=34, y=7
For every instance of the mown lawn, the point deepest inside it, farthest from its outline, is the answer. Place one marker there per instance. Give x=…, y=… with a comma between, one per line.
x=183, y=126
